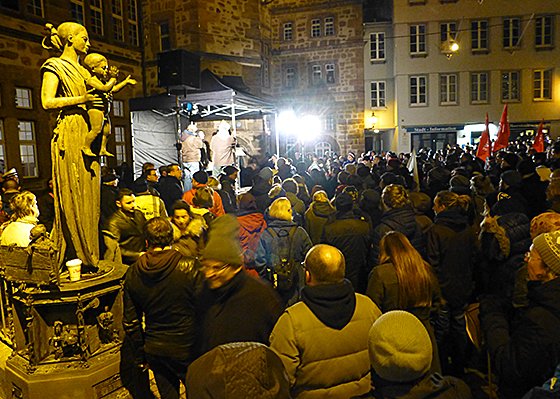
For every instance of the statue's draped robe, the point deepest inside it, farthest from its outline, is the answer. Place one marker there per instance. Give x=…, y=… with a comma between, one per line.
x=76, y=181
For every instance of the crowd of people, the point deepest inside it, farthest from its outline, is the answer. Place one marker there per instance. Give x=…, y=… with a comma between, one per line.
x=333, y=276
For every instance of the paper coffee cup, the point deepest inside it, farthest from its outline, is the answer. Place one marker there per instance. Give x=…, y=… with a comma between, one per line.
x=74, y=269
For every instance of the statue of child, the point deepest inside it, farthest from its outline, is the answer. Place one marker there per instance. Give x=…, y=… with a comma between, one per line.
x=99, y=116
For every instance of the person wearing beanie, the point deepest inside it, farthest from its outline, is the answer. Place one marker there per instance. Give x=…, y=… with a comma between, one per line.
x=160, y=289
x=400, y=352
x=525, y=349
x=509, y=188
x=200, y=179
x=227, y=180
x=322, y=340
x=532, y=188
x=350, y=232
x=234, y=307
x=238, y=370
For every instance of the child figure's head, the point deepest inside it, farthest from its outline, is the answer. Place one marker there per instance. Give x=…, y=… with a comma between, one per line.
x=97, y=65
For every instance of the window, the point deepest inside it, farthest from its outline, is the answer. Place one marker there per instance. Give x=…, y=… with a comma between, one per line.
x=316, y=28
x=543, y=31
x=448, y=89
x=27, y=148
x=288, y=31
x=96, y=13
x=35, y=7
x=118, y=27
x=322, y=149
x=418, y=91
x=511, y=32
x=118, y=107
x=479, y=87
x=164, y=36
x=132, y=22
x=290, y=77
x=329, y=26
x=330, y=121
x=378, y=94
x=377, y=46
x=510, y=86
x=542, y=84
x=23, y=98
x=447, y=31
x=417, y=39
x=479, y=35
x=329, y=70
x=317, y=74
x=120, y=145
x=77, y=11
x=2, y=154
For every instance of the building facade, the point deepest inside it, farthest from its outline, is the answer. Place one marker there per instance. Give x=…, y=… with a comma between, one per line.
x=507, y=53
x=317, y=71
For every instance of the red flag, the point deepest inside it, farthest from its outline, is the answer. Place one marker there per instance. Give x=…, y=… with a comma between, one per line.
x=538, y=143
x=484, y=149
x=502, y=140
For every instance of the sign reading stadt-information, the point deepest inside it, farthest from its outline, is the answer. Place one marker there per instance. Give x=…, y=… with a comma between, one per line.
x=433, y=129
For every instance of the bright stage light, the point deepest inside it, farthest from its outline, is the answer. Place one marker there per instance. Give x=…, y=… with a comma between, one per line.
x=309, y=127
x=287, y=122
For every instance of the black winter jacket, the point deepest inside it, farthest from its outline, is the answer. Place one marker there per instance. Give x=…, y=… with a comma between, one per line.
x=351, y=234
x=260, y=191
x=452, y=253
x=171, y=190
x=526, y=350
x=404, y=221
x=161, y=286
x=128, y=233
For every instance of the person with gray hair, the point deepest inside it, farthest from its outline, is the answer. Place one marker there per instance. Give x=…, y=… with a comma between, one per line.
x=322, y=340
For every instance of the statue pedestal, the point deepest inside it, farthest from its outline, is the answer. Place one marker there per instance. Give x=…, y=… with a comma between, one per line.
x=66, y=338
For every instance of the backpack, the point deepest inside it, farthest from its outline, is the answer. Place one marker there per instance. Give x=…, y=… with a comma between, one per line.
x=283, y=273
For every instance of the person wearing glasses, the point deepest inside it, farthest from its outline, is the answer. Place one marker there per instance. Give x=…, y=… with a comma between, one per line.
x=233, y=306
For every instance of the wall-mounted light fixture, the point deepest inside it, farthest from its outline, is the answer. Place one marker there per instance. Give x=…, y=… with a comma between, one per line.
x=372, y=119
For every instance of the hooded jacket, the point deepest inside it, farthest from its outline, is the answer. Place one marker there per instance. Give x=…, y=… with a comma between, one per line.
x=161, y=286
x=404, y=221
x=526, y=350
x=316, y=217
x=323, y=342
x=260, y=191
x=251, y=226
x=451, y=251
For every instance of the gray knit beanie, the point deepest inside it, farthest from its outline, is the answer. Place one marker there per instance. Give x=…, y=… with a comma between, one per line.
x=400, y=349
x=548, y=247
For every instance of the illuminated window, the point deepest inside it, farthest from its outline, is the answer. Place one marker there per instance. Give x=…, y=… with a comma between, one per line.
x=479, y=35
x=322, y=148
x=118, y=108
x=418, y=91
x=448, y=89
x=27, y=148
x=479, y=87
x=511, y=32
x=23, y=98
x=316, y=28
x=378, y=94
x=288, y=31
x=510, y=86
x=417, y=39
x=330, y=122
x=542, y=84
x=329, y=26
x=377, y=46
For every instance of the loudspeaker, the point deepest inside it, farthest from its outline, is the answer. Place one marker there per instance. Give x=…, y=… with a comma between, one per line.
x=179, y=68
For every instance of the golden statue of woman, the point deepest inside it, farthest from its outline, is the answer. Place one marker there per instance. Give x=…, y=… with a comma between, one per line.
x=76, y=181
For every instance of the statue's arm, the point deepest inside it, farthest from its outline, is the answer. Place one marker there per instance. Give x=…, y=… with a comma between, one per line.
x=51, y=101
x=98, y=84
